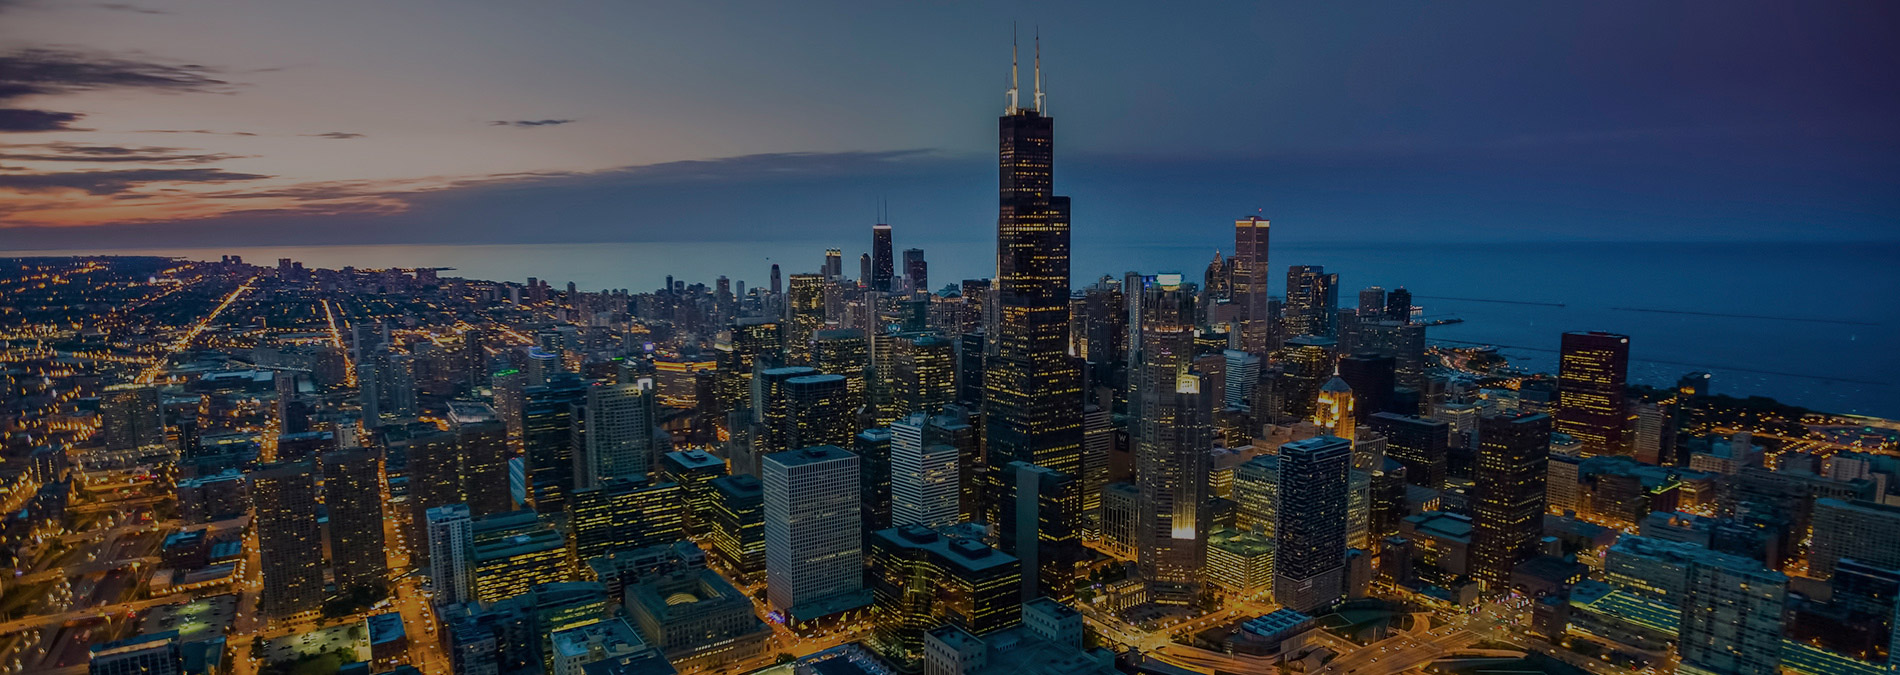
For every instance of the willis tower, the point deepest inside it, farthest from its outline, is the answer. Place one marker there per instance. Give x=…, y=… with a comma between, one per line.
x=1033, y=403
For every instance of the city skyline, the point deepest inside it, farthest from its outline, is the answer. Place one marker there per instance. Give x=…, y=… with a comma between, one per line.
x=1696, y=125
x=979, y=458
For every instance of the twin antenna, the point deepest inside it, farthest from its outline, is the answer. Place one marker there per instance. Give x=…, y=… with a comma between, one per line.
x=1013, y=101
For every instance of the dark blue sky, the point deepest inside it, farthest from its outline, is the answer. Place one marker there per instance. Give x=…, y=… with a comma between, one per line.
x=282, y=123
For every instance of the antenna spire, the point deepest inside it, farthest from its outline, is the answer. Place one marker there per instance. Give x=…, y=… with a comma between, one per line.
x=1011, y=110
x=1039, y=69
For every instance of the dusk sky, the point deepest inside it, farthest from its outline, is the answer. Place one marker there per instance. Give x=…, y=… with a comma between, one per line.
x=148, y=123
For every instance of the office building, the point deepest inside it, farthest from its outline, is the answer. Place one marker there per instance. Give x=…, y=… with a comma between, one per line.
x=482, y=439
x=622, y=514
x=1038, y=525
x=1511, y=464
x=353, y=497
x=1032, y=387
x=1312, y=301
x=1422, y=445
x=1373, y=379
x=548, y=439
x=804, y=316
x=150, y=654
x=572, y=649
x=694, y=471
x=620, y=433
x=1310, y=536
x=1256, y=494
x=844, y=352
x=1120, y=519
x=873, y=448
x=738, y=524
x=1250, y=275
x=1240, y=563
x=515, y=551
x=289, y=543
x=1592, y=387
x=922, y=579
x=1333, y=412
x=814, y=551
x=882, y=265
x=1864, y=531
x=1172, y=429
x=916, y=270
x=925, y=376
x=924, y=484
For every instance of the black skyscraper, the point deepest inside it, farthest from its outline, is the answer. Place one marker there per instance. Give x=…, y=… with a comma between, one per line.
x=1033, y=406
x=1373, y=378
x=881, y=263
x=1513, y=454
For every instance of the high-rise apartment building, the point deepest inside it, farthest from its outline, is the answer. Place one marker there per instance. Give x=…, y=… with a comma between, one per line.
x=814, y=551
x=1592, y=388
x=482, y=440
x=289, y=539
x=451, y=541
x=548, y=438
x=1510, y=471
x=1731, y=620
x=1310, y=535
x=353, y=496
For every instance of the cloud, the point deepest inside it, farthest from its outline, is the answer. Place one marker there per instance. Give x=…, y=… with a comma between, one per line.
x=40, y=72
x=123, y=7
x=82, y=152
x=194, y=131
x=25, y=120
x=528, y=123
x=115, y=182
x=338, y=135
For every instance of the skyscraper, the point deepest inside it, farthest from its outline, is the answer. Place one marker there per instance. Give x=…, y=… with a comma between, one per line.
x=804, y=315
x=451, y=541
x=1033, y=389
x=814, y=551
x=289, y=540
x=924, y=486
x=834, y=264
x=353, y=496
x=1398, y=305
x=1372, y=302
x=738, y=524
x=621, y=514
x=131, y=417
x=1421, y=445
x=1511, y=463
x=916, y=270
x=1731, y=620
x=1256, y=494
x=483, y=442
x=925, y=374
x=1250, y=283
x=882, y=266
x=1333, y=413
x=1592, y=384
x=622, y=435
x=818, y=411
x=1310, y=537
x=1173, y=435
x=922, y=579
x=1312, y=301
x=548, y=438
x=1039, y=527
x=1373, y=378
